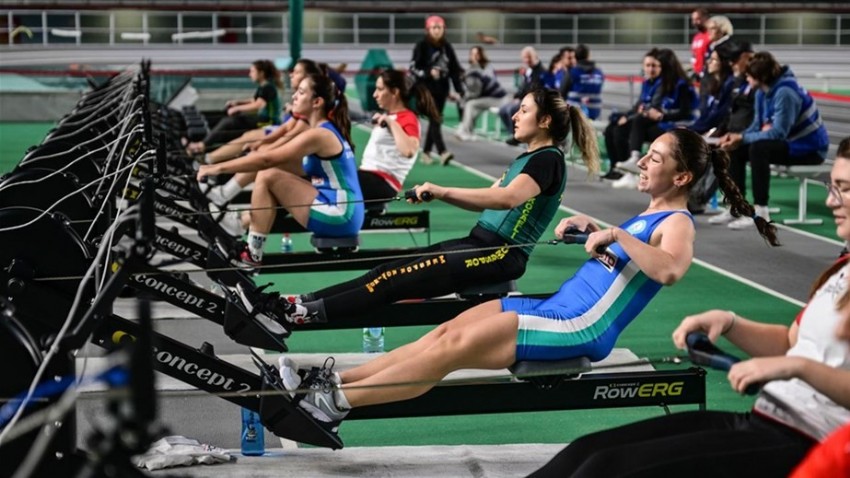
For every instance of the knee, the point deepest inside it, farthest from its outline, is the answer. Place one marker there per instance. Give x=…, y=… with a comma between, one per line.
x=266, y=178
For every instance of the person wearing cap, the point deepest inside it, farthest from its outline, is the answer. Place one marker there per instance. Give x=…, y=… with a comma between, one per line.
x=435, y=64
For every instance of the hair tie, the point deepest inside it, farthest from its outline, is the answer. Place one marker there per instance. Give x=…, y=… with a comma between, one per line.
x=754, y=216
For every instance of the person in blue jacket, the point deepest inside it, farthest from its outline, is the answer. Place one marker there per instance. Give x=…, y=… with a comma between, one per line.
x=582, y=85
x=787, y=128
x=716, y=103
x=667, y=99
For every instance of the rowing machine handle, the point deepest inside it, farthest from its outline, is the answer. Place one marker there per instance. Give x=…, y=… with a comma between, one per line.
x=574, y=235
x=703, y=352
x=383, y=123
x=410, y=194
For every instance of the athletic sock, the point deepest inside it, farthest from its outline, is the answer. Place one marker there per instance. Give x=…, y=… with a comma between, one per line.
x=231, y=189
x=256, y=241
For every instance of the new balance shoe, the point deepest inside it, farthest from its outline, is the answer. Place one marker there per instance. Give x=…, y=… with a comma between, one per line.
x=246, y=260
x=261, y=306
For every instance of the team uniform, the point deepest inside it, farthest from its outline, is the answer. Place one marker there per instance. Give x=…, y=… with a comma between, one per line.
x=271, y=113
x=451, y=265
x=384, y=168
x=587, y=314
x=584, y=88
x=337, y=211
x=789, y=417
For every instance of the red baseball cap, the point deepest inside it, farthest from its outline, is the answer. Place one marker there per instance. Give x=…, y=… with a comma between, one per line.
x=434, y=20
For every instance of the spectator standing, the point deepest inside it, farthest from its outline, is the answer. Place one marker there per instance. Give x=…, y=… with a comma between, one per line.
x=483, y=91
x=582, y=86
x=533, y=76
x=787, y=129
x=700, y=41
x=435, y=64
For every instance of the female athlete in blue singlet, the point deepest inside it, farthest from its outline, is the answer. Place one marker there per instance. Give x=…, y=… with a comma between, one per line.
x=627, y=267
x=330, y=203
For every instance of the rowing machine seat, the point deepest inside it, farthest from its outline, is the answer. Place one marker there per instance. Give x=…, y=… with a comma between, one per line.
x=546, y=373
x=339, y=244
x=488, y=291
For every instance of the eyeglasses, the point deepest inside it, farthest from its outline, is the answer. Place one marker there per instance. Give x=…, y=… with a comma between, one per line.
x=834, y=191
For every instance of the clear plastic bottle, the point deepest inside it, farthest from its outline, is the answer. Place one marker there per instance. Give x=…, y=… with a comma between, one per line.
x=373, y=340
x=253, y=439
x=286, y=243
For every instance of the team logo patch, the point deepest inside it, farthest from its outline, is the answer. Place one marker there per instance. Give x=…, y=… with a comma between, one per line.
x=637, y=227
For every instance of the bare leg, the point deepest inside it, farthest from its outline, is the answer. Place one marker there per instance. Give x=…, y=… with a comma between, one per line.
x=275, y=187
x=487, y=342
x=234, y=148
x=487, y=309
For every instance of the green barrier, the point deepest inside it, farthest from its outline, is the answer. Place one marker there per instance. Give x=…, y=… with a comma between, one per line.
x=376, y=59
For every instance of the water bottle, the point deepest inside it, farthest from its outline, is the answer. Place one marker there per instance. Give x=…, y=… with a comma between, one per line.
x=373, y=340
x=253, y=441
x=286, y=243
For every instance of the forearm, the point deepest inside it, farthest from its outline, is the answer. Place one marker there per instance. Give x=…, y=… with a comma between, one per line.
x=757, y=339
x=256, y=161
x=830, y=381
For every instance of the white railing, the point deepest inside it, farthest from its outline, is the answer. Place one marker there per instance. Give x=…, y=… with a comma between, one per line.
x=111, y=27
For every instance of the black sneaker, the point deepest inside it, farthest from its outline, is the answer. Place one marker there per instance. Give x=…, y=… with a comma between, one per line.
x=612, y=175
x=238, y=254
x=262, y=306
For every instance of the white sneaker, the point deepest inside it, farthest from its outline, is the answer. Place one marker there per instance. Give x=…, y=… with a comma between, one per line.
x=748, y=222
x=232, y=224
x=289, y=374
x=628, y=181
x=741, y=223
x=722, y=218
x=216, y=195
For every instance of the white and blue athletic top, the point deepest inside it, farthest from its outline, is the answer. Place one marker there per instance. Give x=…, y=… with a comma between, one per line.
x=338, y=209
x=587, y=314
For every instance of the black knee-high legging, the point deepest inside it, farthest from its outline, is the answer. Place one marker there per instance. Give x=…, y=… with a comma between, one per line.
x=761, y=154
x=229, y=128
x=692, y=444
x=434, y=135
x=442, y=268
x=621, y=140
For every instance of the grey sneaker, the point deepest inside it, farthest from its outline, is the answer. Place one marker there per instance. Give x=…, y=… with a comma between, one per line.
x=321, y=405
x=293, y=377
